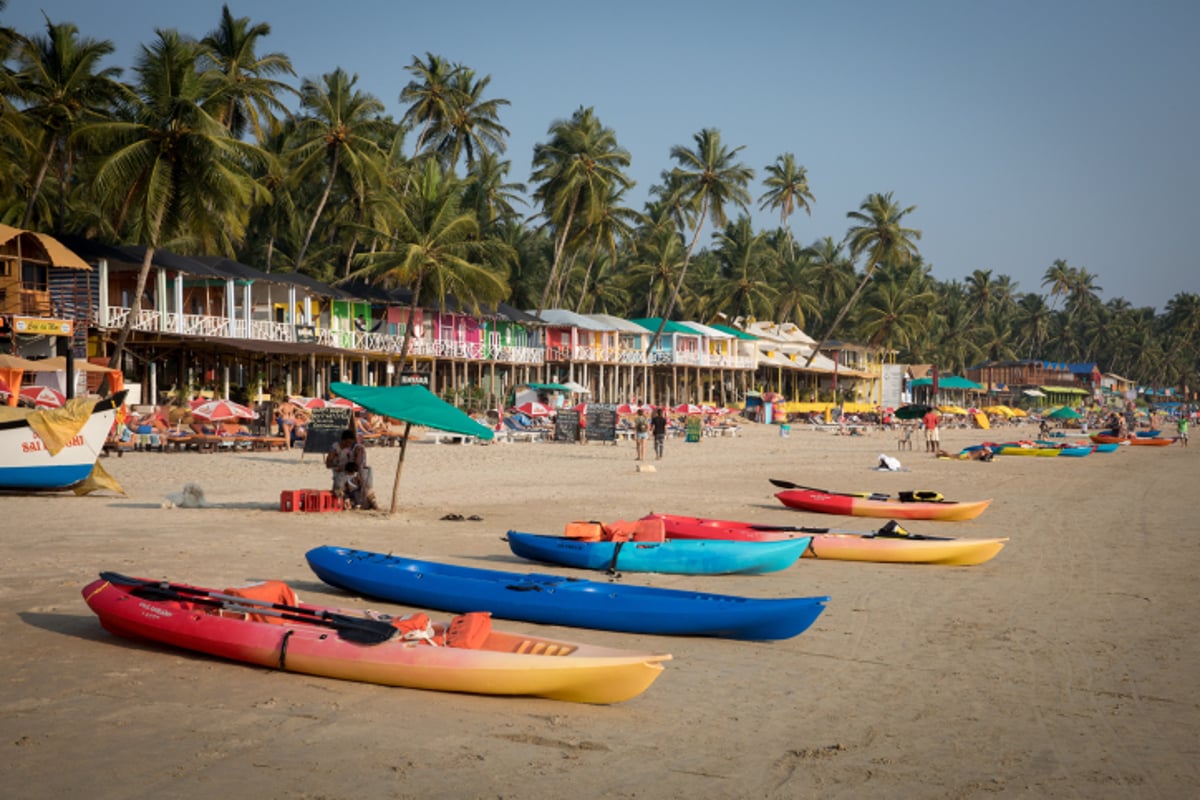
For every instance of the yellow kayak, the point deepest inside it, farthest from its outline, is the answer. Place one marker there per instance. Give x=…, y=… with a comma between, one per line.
x=351, y=645
x=891, y=544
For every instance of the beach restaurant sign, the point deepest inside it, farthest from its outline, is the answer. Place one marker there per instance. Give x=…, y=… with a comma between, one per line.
x=43, y=326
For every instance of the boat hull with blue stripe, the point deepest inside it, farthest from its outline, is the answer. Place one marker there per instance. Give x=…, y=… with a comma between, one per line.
x=26, y=463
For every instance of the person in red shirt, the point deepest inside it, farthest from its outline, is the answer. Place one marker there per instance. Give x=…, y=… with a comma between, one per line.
x=930, y=422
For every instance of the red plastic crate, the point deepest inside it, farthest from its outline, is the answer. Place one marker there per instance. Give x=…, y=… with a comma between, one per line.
x=312, y=500
x=292, y=500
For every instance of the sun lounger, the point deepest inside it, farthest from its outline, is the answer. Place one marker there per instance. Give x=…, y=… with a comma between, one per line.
x=442, y=437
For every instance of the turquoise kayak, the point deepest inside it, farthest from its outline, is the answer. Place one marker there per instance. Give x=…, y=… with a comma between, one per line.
x=677, y=557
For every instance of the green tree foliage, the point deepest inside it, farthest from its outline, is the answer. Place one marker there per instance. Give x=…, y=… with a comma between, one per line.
x=213, y=149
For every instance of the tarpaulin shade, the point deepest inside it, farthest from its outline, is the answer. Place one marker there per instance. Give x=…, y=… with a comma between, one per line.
x=414, y=404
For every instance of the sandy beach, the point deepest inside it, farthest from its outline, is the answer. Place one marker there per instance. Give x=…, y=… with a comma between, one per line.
x=1064, y=668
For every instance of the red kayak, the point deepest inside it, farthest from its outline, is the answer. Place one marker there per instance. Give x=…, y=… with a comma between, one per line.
x=1139, y=441
x=804, y=498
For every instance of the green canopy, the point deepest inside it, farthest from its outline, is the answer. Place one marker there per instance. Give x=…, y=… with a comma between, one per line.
x=948, y=382
x=1066, y=412
x=549, y=387
x=413, y=405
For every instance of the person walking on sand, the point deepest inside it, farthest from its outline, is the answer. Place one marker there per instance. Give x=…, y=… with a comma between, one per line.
x=641, y=432
x=932, y=440
x=658, y=427
x=1182, y=429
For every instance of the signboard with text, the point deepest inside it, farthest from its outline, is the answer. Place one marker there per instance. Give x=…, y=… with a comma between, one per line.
x=325, y=428
x=43, y=326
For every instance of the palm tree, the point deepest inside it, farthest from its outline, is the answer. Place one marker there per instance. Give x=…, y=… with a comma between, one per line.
x=787, y=191
x=880, y=235
x=489, y=193
x=794, y=280
x=1059, y=276
x=175, y=171
x=340, y=131
x=741, y=287
x=833, y=275
x=980, y=294
x=705, y=180
x=472, y=123
x=994, y=337
x=896, y=311
x=435, y=249
x=63, y=88
x=613, y=222
x=1182, y=321
x=430, y=97
x=656, y=267
x=247, y=95
x=573, y=172
x=1033, y=317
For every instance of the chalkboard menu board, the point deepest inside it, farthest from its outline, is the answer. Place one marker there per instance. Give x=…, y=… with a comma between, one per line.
x=601, y=423
x=566, y=425
x=692, y=428
x=325, y=428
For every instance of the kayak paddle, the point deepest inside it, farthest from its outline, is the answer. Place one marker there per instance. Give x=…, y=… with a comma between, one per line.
x=353, y=629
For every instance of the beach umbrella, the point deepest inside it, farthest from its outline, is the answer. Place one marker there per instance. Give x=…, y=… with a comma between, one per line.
x=687, y=409
x=43, y=397
x=625, y=409
x=1066, y=412
x=535, y=409
x=912, y=411
x=307, y=403
x=413, y=405
x=951, y=409
x=708, y=408
x=342, y=402
x=218, y=410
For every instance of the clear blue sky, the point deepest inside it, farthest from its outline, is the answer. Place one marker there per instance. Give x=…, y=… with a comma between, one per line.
x=1022, y=130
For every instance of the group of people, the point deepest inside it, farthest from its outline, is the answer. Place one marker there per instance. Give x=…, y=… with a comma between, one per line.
x=347, y=460
x=292, y=421
x=644, y=428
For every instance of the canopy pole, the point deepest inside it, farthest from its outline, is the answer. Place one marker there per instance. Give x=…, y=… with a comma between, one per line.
x=399, y=468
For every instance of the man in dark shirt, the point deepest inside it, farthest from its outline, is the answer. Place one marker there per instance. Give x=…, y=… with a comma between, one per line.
x=658, y=427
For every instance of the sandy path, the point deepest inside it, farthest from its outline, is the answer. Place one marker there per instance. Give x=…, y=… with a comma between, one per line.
x=1063, y=668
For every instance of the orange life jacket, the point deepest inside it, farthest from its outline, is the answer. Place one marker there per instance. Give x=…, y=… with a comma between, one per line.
x=267, y=591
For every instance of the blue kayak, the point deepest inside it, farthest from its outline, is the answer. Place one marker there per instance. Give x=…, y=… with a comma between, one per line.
x=681, y=557
x=558, y=600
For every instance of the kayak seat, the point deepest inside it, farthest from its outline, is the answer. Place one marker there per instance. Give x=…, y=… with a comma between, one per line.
x=470, y=630
x=921, y=497
x=584, y=531
x=649, y=530
x=619, y=531
x=276, y=592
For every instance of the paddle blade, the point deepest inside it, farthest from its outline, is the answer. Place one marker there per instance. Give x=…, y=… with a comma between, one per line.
x=360, y=630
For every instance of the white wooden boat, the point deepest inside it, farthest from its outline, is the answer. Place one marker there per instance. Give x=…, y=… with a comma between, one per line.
x=28, y=462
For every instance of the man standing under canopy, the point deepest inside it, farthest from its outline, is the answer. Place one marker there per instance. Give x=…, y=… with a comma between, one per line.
x=930, y=423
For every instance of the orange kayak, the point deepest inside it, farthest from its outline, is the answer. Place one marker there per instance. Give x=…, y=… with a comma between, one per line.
x=804, y=498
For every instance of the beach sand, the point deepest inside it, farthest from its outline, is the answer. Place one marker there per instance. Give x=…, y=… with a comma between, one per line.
x=1064, y=668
